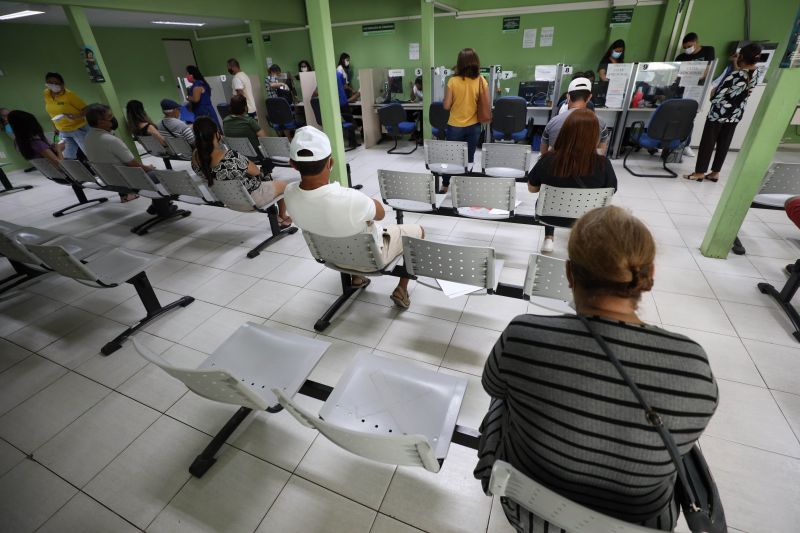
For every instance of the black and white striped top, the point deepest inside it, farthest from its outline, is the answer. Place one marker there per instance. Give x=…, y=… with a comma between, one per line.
x=573, y=424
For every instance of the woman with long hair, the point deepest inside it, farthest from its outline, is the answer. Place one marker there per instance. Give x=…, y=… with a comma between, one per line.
x=561, y=412
x=573, y=163
x=213, y=162
x=199, y=94
x=465, y=89
x=30, y=140
x=614, y=54
x=139, y=122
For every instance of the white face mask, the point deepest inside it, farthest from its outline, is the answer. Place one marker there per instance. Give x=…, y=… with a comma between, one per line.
x=303, y=69
x=616, y=55
x=53, y=87
x=689, y=50
x=347, y=62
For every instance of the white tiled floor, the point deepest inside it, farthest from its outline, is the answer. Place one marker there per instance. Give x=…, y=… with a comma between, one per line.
x=94, y=443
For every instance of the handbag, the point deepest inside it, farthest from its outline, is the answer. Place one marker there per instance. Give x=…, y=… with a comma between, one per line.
x=484, y=108
x=695, y=491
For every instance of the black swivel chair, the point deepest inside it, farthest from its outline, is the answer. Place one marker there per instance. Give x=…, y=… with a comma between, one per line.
x=393, y=118
x=438, y=117
x=348, y=127
x=280, y=115
x=669, y=129
x=509, y=119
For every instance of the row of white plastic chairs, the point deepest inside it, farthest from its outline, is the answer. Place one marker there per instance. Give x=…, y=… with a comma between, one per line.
x=275, y=149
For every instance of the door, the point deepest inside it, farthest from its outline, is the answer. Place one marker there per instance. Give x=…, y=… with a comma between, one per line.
x=179, y=54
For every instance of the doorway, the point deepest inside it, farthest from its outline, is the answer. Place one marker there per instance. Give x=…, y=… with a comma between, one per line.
x=179, y=54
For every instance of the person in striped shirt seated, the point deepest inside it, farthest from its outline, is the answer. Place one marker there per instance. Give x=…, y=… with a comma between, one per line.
x=560, y=411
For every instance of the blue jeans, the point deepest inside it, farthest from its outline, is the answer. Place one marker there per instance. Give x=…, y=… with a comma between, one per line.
x=74, y=140
x=471, y=134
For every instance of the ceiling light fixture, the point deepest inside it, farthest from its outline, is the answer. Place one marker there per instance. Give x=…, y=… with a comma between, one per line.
x=174, y=23
x=20, y=14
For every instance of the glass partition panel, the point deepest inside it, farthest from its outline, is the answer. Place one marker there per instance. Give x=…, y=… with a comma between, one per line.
x=611, y=94
x=655, y=82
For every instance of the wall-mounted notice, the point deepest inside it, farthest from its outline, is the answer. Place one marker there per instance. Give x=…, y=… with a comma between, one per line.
x=529, y=38
x=377, y=29
x=618, y=75
x=510, y=24
x=92, y=68
x=266, y=38
x=621, y=16
x=396, y=72
x=545, y=72
x=413, y=51
x=791, y=58
x=691, y=73
x=546, y=37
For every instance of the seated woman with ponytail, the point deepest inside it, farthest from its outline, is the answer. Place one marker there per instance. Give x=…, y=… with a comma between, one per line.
x=561, y=412
x=213, y=162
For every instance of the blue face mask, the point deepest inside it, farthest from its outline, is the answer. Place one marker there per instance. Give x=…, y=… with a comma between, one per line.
x=616, y=55
x=9, y=130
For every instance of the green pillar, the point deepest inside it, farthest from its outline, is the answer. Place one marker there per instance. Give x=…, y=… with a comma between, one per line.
x=258, y=50
x=84, y=37
x=668, y=15
x=321, y=35
x=769, y=122
x=426, y=55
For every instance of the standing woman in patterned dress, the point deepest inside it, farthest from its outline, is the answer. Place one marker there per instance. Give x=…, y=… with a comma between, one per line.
x=727, y=108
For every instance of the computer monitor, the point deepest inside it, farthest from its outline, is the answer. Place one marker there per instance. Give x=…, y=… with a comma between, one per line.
x=396, y=84
x=599, y=92
x=535, y=92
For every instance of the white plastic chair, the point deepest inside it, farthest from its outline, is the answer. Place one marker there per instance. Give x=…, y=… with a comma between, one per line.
x=484, y=198
x=179, y=147
x=77, y=182
x=243, y=146
x=446, y=157
x=389, y=411
x=468, y=265
x=501, y=160
x=186, y=187
x=107, y=270
x=246, y=370
x=154, y=147
x=507, y=481
x=546, y=284
x=276, y=149
x=566, y=202
x=408, y=191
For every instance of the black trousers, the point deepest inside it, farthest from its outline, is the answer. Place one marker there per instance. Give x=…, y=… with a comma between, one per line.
x=717, y=134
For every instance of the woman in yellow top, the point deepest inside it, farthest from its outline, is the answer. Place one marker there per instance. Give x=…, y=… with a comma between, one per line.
x=66, y=110
x=463, y=92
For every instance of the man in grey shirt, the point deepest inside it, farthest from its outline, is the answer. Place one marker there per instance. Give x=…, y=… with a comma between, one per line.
x=578, y=95
x=173, y=126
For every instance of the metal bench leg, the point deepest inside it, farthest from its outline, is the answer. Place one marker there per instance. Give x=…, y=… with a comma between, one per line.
x=206, y=459
x=152, y=306
x=347, y=291
x=22, y=274
x=669, y=174
x=784, y=297
x=8, y=187
x=148, y=224
x=82, y=202
x=738, y=247
x=393, y=149
x=275, y=228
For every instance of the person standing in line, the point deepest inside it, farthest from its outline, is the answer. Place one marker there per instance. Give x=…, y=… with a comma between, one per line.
x=614, y=54
x=200, y=94
x=241, y=85
x=466, y=90
x=66, y=110
x=727, y=108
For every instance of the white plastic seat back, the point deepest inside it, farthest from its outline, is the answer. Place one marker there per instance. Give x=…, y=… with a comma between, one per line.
x=408, y=191
x=480, y=197
x=8, y=227
x=570, y=203
x=470, y=265
x=358, y=252
x=549, y=505
x=233, y=195
x=137, y=178
x=182, y=183
x=276, y=148
x=110, y=175
x=242, y=145
x=49, y=169
x=13, y=244
x=153, y=146
x=506, y=160
x=77, y=171
x=60, y=260
x=107, y=270
x=446, y=157
x=782, y=178
x=546, y=284
x=179, y=147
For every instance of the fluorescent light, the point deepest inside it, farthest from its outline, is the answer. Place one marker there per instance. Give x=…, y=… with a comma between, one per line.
x=20, y=14
x=175, y=23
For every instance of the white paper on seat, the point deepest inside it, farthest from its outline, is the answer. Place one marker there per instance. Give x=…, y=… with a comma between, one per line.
x=452, y=289
x=772, y=200
x=482, y=212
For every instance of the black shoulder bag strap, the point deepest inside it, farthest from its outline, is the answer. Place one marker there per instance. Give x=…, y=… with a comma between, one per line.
x=652, y=416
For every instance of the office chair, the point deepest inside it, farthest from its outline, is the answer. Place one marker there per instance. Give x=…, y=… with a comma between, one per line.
x=508, y=119
x=348, y=127
x=669, y=129
x=438, y=116
x=280, y=115
x=393, y=118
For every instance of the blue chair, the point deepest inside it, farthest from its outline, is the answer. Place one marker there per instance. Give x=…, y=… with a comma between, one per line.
x=438, y=117
x=509, y=119
x=669, y=129
x=348, y=127
x=280, y=115
x=393, y=118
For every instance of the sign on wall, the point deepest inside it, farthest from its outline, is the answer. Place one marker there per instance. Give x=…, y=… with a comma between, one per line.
x=265, y=38
x=791, y=59
x=377, y=29
x=510, y=24
x=621, y=16
x=92, y=67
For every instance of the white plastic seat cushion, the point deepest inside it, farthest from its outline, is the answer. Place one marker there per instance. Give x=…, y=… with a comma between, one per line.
x=12, y=243
x=446, y=157
x=111, y=268
x=506, y=160
x=138, y=179
x=357, y=254
x=182, y=183
x=8, y=227
x=409, y=191
x=486, y=198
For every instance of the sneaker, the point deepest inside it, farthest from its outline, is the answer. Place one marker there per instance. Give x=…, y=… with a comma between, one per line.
x=688, y=152
x=400, y=298
x=547, y=246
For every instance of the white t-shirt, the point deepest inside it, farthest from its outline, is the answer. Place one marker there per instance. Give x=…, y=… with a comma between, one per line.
x=332, y=211
x=242, y=82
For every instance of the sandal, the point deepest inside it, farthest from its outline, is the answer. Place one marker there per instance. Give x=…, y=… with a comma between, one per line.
x=694, y=177
x=123, y=198
x=400, y=298
x=714, y=179
x=359, y=282
x=285, y=222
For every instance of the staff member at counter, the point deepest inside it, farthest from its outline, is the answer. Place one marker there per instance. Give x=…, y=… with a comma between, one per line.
x=614, y=54
x=693, y=51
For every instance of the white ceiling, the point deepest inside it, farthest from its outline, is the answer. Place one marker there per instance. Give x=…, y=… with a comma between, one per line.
x=107, y=17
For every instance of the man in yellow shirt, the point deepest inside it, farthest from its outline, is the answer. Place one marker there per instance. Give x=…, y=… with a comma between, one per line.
x=66, y=110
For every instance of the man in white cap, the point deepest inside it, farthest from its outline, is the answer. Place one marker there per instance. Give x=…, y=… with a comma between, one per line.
x=330, y=210
x=578, y=95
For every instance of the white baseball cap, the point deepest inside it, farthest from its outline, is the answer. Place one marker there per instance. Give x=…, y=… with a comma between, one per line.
x=311, y=139
x=580, y=84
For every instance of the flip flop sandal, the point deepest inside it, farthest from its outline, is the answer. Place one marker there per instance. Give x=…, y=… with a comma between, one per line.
x=359, y=282
x=691, y=177
x=400, y=298
x=285, y=222
x=709, y=178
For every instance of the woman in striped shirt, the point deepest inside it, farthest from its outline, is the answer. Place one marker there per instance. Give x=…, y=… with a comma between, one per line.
x=560, y=411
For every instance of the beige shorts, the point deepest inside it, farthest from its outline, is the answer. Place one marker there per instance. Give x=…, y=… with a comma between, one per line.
x=264, y=194
x=393, y=239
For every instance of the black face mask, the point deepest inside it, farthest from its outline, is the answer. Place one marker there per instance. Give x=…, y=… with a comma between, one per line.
x=230, y=72
x=114, y=123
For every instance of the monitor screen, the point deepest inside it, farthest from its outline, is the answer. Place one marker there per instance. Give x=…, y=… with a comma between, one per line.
x=396, y=84
x=534, y=92
x=599, y=91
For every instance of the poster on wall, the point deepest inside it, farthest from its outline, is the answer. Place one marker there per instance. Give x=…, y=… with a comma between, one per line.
x=546, y=37
x=621, y=16
x=791, y=59
x=618, y=76
x=529, y=38
x=510, y=24
x=413, y=51
x=92, y=68
x=690, y=74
